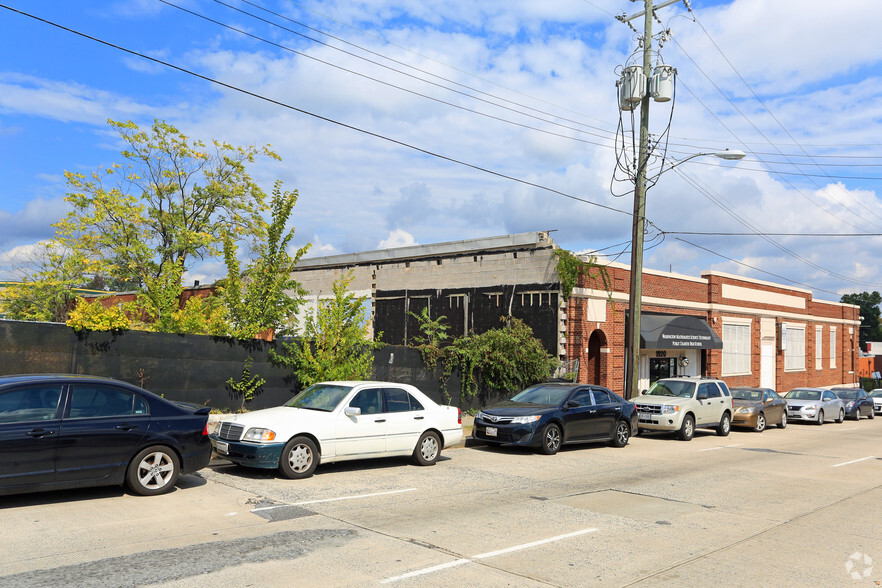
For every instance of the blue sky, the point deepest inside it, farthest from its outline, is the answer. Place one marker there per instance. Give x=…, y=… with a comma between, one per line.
x=523, y=88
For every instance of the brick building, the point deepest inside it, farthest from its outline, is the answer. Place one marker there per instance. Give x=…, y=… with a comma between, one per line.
x=749, y=332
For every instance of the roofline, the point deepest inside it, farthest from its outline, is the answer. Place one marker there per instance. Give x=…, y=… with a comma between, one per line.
x=534, y=239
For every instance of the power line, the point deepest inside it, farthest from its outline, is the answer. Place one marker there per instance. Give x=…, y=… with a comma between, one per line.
x=318, y=116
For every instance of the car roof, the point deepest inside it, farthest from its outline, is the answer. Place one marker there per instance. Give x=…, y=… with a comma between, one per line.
x=18, y=378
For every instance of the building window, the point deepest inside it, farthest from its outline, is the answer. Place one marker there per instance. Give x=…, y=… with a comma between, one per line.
x=819, y=348
x=736, y=349
x=794, y=355
x=832, y=347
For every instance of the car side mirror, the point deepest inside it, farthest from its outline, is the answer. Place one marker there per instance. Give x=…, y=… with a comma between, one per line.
x=642, y=392
x=702, y=395
x=352, y=411
x=573, y=403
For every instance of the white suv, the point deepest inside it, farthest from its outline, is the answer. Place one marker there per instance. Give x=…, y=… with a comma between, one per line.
x=681, y=404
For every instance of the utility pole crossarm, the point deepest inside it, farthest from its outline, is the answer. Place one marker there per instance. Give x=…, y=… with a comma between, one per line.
x=624, y=18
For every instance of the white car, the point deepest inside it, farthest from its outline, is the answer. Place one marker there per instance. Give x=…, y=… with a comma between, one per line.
x=338, y=421
x=876, y=395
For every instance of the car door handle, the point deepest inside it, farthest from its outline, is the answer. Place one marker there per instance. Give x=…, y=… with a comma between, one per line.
x=39, y=433
x=380, y=421
x=592, y=411
x=418, y=418
x=126, y=427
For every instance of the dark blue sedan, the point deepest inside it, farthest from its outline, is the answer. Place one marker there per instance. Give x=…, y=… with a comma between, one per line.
x=546, y=416
x=857, y=402
x=59, y=431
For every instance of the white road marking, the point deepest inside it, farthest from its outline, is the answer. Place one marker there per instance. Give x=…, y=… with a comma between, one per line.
x=333, y=499
x=450, y=564
x=721, y=447
x=855, y=461
x=458, y=562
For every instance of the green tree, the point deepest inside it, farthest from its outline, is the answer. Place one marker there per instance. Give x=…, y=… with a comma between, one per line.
x=170, y=203
x=265, y=296
x=334, y=344
x=871, y=329
x=48, y=292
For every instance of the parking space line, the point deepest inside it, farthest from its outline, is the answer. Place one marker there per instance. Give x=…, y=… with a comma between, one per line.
x=721, y=447
x=458, y=562
x=354, y=497
x=855, y=461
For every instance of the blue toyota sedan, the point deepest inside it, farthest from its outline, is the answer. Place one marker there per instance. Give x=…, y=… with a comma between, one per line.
x=546, y=416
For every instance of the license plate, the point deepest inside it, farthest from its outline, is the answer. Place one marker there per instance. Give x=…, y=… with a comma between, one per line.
x=222, y=447
x=492, y=432
x=643, y=416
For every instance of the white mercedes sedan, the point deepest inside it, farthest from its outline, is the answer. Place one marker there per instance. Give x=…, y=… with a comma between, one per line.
x=338, y=421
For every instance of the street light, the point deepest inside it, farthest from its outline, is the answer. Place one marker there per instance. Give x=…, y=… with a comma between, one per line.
x=635, y=296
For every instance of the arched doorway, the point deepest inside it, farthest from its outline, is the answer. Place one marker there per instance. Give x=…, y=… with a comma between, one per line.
x=595, y=362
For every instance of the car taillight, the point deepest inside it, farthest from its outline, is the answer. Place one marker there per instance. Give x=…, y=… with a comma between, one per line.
x=459, y=415
x=205, y=430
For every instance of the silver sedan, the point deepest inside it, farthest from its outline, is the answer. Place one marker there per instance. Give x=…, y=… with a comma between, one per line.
x=815, y=405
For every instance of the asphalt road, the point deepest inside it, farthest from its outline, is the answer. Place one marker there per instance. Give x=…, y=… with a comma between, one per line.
x=800, y=506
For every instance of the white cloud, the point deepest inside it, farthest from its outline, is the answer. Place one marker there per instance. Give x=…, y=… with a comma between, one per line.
x=397, y=238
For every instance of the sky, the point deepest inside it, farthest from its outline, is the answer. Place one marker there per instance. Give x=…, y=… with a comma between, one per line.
x=405, y=122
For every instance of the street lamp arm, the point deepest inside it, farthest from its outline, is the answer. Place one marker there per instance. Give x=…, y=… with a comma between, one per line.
x=730, y=155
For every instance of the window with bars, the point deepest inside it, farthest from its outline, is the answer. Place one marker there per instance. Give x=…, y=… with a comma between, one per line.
x=736, y=349
x=832, y=347
x=819, y=348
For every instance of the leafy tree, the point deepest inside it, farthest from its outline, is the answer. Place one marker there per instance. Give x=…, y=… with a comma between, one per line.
x=871, y=329
x=505, y=359
x=49, y=292
x=334, y=343
x=248, y=386
x=93, y=316
x=263, y=299
x=171, y=203
x=434, y=334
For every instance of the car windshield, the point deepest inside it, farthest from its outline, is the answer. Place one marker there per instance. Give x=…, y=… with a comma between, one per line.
x=324, y=397
x=876, y=393
x=746, y=394
x=803, y=395
x=846, y=393
x=672, y=388
x=545, y=395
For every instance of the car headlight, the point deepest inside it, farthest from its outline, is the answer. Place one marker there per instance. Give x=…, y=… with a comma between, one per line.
x=746, y=409
x=810, y=407
x=523, y=420
x=670, y=409
x=259, y=435
x=849, y=405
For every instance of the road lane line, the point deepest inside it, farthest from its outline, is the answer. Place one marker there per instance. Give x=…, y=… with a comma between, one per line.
x=459, y=562
x=262, y=508
x=533, y=544
x=450, y=564
x=721, y=447
x=855, y=461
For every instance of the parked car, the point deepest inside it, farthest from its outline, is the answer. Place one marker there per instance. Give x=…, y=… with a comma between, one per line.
x=339, y=421
x=815, y=405
x=546, y=416
x=857, y=402
x=683, y=403
x=876, y=395
x=757, y=408
x=65, y=431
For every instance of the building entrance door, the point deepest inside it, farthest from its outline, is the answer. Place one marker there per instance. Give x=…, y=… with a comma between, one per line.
x=661, y=367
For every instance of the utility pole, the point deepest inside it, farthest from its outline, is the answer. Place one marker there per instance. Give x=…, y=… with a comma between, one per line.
x=635, y=295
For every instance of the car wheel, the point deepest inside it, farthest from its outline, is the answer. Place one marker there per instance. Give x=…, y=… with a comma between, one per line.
x=820, y=418
x=760, y=423
x=551, y=439
x=872, y=414
x=299, y=458
x=622, y=434
x=841, y=416
x=427, y=449
x=153, y=471
x=687, y=429
x=725, y=425
x=783, y=423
